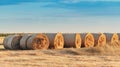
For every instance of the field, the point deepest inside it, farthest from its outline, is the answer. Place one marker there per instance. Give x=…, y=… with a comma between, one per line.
x=67, y=57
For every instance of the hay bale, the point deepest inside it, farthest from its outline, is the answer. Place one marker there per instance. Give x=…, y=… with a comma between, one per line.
x=5, y=42
x=115, y=38
x=119, y=36
x=100, y=39
x=23, y=41
x=72, y=40
x=38, y=41
x=1, y=40
x=87, y=39
x=12, y=42
x=78, y=41
x=56, y=40
x=112, y=37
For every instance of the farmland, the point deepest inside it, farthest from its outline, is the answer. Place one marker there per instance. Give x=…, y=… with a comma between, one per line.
x=59, y=33
x=67, y=57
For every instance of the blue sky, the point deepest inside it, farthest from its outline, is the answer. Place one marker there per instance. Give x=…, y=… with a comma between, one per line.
x=59, y=16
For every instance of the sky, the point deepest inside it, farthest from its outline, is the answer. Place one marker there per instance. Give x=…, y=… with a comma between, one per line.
x=59, y=16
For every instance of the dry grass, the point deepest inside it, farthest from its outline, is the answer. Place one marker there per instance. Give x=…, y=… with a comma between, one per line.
x=108, y=55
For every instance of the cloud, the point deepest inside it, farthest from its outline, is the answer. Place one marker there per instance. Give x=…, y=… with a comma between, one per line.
x=77, y=1
x=71, y=1
x=12, y=2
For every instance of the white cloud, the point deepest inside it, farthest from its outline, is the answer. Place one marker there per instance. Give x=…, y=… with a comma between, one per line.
x=76, y=1
x=71, y=1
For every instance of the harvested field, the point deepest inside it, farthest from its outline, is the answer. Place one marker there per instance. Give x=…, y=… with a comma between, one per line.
x=98, y=56
x=70, y=57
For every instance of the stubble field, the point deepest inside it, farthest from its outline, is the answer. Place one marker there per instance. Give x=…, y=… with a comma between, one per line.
x=68, y=57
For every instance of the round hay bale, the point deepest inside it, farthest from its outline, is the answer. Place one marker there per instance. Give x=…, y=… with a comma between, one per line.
x=56, y=40
x=12, y=42
x=119, y=36
x=23, y=41
x=112, y=37
x=5, y=42
x=78, y=41
x=1, y=40
x=100, y=39
x=87, y=40
x=72, y=40
x=38, y=41
x=115, y=38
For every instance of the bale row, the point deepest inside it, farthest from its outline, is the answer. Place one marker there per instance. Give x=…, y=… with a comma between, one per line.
x=27, y=41
x=34, y=41
x=58, y=40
